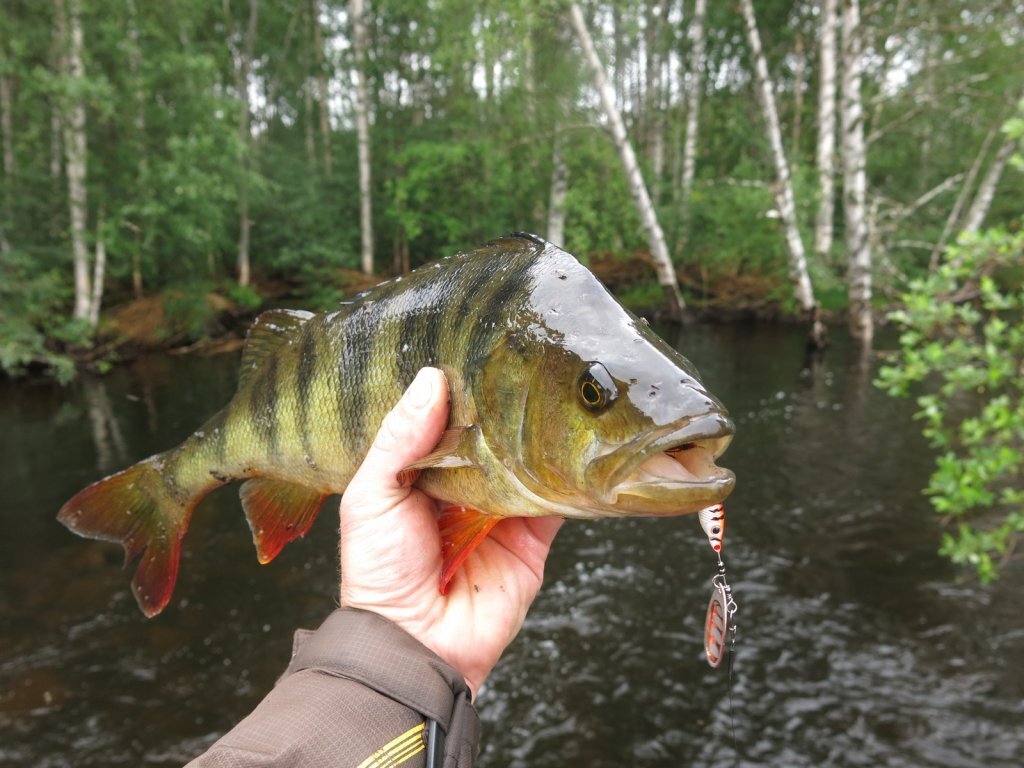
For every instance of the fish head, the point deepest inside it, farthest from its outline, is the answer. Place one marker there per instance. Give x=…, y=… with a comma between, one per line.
x=610, y=419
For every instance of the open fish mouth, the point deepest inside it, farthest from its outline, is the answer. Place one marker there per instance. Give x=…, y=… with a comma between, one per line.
x=674, y=472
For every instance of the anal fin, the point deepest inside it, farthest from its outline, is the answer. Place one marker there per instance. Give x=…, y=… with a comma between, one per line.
x=462, y=531
x=278, y=512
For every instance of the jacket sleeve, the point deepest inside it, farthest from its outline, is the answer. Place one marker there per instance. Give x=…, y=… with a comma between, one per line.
x=360, y=692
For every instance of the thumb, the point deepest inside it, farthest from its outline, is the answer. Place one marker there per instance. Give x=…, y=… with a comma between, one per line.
x=408, y=433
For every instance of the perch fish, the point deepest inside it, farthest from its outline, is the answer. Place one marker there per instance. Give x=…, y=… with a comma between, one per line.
x=562, y=403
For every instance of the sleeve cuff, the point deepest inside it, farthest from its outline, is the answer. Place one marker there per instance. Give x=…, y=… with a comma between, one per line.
x=373, y=651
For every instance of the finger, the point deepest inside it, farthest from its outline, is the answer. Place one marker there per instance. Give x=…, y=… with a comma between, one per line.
x=408, y=433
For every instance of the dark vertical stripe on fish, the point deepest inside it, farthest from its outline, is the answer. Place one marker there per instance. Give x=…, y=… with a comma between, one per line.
x=306, y=373
x=497, y=306
x=358, y=332
x=263, y=405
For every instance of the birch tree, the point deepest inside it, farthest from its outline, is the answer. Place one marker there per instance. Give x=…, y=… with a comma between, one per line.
x=243, y=66
x=858, y=246
x=356, y=10
x=655, y=237
x=69, y=30
x=693, y=90
x=321, y=89
x=826, y=145
x=983, y=199
x=785, y=200
x=559, y=188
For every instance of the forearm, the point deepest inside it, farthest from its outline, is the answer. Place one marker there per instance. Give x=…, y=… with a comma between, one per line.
x=357, y=692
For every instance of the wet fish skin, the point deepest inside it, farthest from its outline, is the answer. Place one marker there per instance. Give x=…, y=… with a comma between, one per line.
x=524, y=333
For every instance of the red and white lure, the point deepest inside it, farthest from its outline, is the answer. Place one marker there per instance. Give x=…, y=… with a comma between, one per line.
x=719, y=627
x=712, y=520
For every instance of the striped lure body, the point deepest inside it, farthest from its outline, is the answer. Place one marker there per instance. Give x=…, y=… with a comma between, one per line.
x=712, y=520
x=562, y=402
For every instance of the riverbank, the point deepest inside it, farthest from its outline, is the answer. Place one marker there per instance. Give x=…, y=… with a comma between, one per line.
x=216, y=321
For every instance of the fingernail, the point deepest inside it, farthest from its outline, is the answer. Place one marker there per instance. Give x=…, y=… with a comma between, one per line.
x=421, y=390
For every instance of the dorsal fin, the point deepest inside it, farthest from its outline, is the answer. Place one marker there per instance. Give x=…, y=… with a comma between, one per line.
x=268, y=332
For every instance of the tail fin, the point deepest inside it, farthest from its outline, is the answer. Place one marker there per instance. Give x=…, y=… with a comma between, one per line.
x=137, y=509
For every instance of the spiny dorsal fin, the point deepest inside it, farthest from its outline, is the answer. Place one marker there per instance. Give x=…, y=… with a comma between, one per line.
x=268, y=332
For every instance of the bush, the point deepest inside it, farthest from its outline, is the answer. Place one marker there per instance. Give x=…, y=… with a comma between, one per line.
x=962, y=343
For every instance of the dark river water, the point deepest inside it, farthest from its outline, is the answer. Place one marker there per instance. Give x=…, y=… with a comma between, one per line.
x=857, y=645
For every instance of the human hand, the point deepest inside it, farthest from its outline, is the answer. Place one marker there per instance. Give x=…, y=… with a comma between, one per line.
x=391, y=547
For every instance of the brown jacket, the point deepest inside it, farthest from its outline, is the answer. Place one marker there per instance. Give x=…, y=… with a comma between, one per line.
x=359, y=692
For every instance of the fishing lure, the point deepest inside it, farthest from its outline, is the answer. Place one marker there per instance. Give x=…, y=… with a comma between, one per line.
x=712, y=520
x=719, y=626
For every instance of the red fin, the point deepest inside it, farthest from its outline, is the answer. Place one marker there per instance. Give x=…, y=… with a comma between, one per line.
x=135, y=509
x=278, y=512
x=462, y=530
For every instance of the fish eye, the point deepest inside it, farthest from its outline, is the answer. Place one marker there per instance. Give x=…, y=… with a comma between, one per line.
x=596, y=388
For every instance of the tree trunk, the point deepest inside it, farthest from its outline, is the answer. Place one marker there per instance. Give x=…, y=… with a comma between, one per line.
x=799, y=75
x=98, y=270
x=858, y=246
x=69, y=23
x=244, y=136
x=141, y=168
x=307, y=92
x=321, y=87
x=826, y=154
x=983, y=200
x=655, y=236
x=961, y=199
x=785, y=200
x=693, y=92
x=6, y=210
x=356, y=10
x=559, y=188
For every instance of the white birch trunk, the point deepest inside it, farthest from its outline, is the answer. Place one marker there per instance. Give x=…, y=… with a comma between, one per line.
x=826, y=150
x=655, y=237
x=785, y=200
x=559, y=189
x=307, y=90
x=75, y=156
x=693, y=107
x=141, y=168
x=858, y=246
x=321, y=87
x=356, y=10
x=961, y=199
x=242, y=70
x=98, y=270
x=983, y=199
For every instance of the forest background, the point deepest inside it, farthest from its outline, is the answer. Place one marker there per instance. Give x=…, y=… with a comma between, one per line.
x=169, y=168
x=244, y=149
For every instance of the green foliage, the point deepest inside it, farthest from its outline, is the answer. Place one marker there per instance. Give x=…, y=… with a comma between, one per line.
x=244, y=296
x=31, y=318
x=467, y=100
x=187, y=310
x=962, y=344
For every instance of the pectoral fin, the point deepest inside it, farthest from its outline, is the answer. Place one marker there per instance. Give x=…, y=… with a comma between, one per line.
x=278, y=512
x=457, y=448
x=462, y=531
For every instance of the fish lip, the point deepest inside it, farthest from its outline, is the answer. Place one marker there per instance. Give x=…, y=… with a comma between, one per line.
x=712, y=429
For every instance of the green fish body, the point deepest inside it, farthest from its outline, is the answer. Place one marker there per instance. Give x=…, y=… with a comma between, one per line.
x=562, y=402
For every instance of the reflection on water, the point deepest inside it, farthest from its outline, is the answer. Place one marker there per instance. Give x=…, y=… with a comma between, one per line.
x=857, y=644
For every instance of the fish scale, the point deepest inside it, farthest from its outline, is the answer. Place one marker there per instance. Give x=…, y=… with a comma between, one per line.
x=562, y=402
